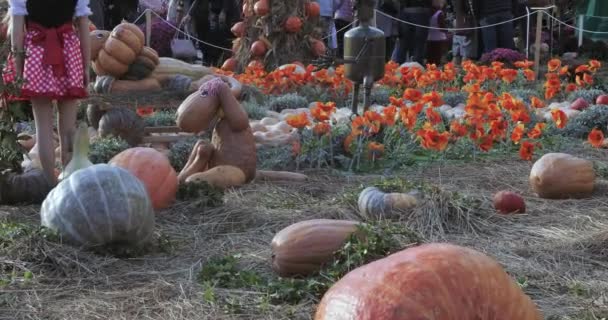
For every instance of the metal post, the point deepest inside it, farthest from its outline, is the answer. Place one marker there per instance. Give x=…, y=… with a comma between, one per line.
x=148, y=27
x=581, y=23
x=539, y=30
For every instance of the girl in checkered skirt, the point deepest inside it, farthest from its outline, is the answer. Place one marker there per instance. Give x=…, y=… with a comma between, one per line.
x=50, y=52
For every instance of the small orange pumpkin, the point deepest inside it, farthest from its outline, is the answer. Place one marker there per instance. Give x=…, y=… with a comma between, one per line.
x=261, y=8
x=318, y=47
x=230, y=64
x=293, y=24
x=258, y=48
x=238, y=29
x=154, y=170
x=312, y=9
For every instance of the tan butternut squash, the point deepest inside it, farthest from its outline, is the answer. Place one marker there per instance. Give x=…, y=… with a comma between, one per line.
x=221, y=177
x=302, y=248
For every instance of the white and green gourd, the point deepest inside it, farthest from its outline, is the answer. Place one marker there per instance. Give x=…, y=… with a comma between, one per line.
x=100, y=205
x=374, y=203
x=80, y=154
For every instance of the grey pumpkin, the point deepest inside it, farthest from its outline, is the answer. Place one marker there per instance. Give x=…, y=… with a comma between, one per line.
x=123, y=123
x=100, y=205
x=374, y=203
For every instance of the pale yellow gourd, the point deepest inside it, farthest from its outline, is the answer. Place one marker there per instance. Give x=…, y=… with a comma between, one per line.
x=80, y=159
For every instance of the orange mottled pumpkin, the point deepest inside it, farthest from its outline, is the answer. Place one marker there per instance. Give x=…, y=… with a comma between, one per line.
x=238, y=29
x=154, y=170
x=318, y=47
x=431, y=281
x=230, y=64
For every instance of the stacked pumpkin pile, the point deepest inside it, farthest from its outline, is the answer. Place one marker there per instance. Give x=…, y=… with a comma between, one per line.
x=271, y=36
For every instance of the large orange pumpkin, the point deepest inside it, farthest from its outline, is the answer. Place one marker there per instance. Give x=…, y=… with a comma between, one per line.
x=261, y=8
x=154, y=170
x=431, y=281
x=312, y=9
x=293, y=24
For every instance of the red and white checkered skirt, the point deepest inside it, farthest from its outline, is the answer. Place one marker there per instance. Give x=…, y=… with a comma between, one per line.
x=60, y=81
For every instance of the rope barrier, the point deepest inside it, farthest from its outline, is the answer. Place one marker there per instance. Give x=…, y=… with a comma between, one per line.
x=576, y=28
x=456, y=29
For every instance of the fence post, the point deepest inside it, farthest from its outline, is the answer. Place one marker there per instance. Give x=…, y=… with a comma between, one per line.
x=148, y=27
x=537, y=42
x=528, y=33
x=581, y=23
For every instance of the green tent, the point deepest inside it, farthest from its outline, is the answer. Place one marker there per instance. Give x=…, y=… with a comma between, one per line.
x=595, y=14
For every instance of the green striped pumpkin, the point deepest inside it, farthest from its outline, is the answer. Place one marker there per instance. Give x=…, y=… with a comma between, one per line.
x=100, y=205
x=374, y=203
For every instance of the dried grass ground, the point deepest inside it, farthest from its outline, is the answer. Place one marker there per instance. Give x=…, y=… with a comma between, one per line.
x=558, y=250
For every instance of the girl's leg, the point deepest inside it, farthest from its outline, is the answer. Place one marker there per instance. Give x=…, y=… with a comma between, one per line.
x=66, y=127
x=43, y=117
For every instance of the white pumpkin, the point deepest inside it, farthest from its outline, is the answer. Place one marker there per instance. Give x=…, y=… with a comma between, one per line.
x=100, y=205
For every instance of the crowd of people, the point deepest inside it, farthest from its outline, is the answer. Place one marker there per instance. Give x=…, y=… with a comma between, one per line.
x=447, y=25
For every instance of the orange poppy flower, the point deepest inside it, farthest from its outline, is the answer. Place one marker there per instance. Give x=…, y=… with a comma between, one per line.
x=359, y=125
x=388, y=115
x=536, y=103
x=433, y=140
x=520, y=115
x=375, y=121
x=564, y=71
x=559, y=117
x=498, y=128
x=296, y=147
x=518, y=133
x=433, y=116
x=554, y=64
x=508, y=75
x=475, y=105
x=551, y=92
x=144, y=111
x=596, y=138
x=486, y=143
x=582, y=69
x=412, y=95
x=526, y=151
x=298, y=121
x=537, y=131
x=457, y=129
x=594, y=65
x=321, y=128
x=588, y=79
x=348, y=141
x=433, y=98
x=398, y=102
x=570, y=87
x=375, y=149
x=529, y=74
x=524, y=64
x=409, y=117
x=319, y=114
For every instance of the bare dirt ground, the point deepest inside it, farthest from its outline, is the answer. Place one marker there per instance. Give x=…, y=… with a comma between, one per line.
x=557, y=251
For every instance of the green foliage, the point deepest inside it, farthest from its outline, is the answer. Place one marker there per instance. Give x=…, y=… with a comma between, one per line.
x=201, y=193
x=180, y=152
x=12, y=232
x=160, y=119
x=369, y=243
x=381, y=96
x=595, y=116
x=254, y=110
x=589, y=95
x=287, y=101
x=525, y=94
x=275, y=158
x=104, y=149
